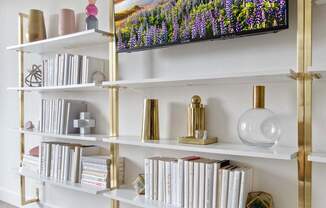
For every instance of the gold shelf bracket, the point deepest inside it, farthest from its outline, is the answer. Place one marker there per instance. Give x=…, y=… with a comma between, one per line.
x=304, y=75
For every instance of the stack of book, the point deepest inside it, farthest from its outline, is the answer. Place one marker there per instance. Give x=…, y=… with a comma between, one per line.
x=31, y=164
x=67, y=69
x=195, y=182
x=96, y=171
x=57, y=115
x=62, y=161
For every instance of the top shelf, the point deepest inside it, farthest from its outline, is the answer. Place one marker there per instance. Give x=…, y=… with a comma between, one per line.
x=72, y=43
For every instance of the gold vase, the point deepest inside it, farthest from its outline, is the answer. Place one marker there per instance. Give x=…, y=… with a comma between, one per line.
x=150, y=130
x=36, y=26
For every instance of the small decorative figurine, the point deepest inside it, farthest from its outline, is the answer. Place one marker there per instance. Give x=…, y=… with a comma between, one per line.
x=84, y=123
x=91, y=12
x=196, y=125
x=259, y=200
x=139, y=184
x=29, y=125
x=34, y=76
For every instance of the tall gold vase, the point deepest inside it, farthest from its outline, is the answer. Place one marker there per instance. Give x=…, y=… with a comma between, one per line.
x=150, y=130
x=36, y=26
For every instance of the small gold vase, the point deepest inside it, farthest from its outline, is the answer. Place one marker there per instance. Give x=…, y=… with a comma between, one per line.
x=150, y=130
x=36, y=26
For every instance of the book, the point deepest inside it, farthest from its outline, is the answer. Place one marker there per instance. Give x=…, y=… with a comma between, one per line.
x=147, y=176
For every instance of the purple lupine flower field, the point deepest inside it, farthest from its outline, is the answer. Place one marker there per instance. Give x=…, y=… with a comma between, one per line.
x=162, y=22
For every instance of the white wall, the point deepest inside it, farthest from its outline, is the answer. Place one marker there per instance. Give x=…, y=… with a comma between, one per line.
x=225, y=102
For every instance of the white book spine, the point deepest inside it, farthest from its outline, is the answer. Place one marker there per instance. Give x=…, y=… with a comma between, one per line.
x=209, y=171
x=196, y=185
x=186, y=184
x=147, y=177
x=155, y=179
x=151, y=186
x=174, y=165
x=191, y=184
x=161, y=181
x=201, y=199
x=215, y=186
x=168, y=182
x=224, y=190
x=180, y=183
x=236, y=189
x=230, y=189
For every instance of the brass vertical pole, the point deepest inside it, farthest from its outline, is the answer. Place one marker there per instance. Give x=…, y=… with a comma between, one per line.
x=22, y=182
x=308, y=100
x=301, y=103
x=113, y=103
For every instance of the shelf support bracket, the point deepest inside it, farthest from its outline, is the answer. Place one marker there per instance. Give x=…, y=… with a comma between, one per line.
x=22, y=182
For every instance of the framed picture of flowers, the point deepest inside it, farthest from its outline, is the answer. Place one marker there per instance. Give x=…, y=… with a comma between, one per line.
x=144, y=24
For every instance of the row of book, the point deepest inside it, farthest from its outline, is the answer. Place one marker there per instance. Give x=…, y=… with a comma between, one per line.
x=96, y=171
x=31, y=163
x=63, y=161
x=68, y=69
x=57, y=115
x=194, y=182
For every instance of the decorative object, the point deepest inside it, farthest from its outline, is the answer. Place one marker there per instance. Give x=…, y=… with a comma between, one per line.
x=98, y=77
x=196, y=124
x=150, y=130
x=67, y=23
x=91, y=12
x=259, y=200
x=29, y=125
x=34, y=76
x=84, y=123
x=80, y=22
x=144, y=24
x=35, y=151
x=139, y=184
x=53, y=26
x=36, y=26
x=259, y=126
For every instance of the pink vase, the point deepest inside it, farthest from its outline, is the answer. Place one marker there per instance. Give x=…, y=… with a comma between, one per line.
x=67, y=23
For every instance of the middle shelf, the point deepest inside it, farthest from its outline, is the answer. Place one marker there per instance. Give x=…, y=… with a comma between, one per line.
x=278, y=153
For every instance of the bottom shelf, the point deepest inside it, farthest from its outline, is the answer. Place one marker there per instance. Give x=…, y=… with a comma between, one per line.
x=124, y=194
x=68, y=185
x=129, y=196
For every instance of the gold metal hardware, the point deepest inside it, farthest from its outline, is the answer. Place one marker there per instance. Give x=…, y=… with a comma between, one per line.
x=151, y=126
x=196, y=116
x=113, y=102
x=308, y=75
x=258, y=96
x=193, y=140
x=22, y=182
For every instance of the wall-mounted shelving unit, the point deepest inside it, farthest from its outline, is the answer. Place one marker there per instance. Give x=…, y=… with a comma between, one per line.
x=99, y=40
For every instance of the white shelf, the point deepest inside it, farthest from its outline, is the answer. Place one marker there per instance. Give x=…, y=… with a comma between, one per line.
x=90, y=137
x=66, y=88
x=129, y=196
x=67, y=185
x=317, y=157
x=248, y=77
x=279, y=153
x=72, y=43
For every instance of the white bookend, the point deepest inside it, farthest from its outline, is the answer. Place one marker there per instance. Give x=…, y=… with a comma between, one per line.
x=180, y=182
x=147, y=177
x=161, y=180
x=201, y=198
x=209, y=172
x=168, y=182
